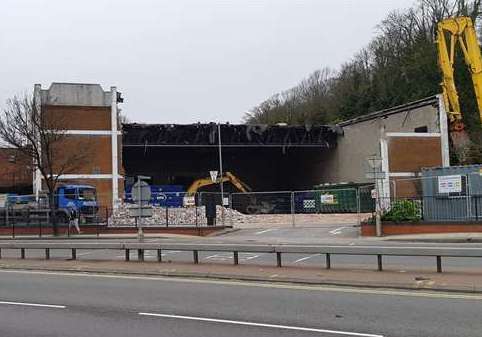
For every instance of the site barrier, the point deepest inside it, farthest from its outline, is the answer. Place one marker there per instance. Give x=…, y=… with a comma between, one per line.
x=235, y=249
x=27, y=214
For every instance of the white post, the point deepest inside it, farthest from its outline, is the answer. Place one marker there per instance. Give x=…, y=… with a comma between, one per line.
x=444, y=133
x=37, y=176
x=114, y=135
x=140, y=232
x=221, y=172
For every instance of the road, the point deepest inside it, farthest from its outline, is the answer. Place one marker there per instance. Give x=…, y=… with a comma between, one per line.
x=62, y=304
x=328, y=235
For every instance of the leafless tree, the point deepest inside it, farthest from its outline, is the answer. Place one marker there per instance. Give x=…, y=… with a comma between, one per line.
x=43, y=141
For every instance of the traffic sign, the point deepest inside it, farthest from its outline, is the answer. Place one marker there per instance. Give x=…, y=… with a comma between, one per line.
x=214, y=175
x=144, y=212
x=141, y=192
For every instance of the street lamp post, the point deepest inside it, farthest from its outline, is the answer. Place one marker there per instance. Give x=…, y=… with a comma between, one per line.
x=221, y=185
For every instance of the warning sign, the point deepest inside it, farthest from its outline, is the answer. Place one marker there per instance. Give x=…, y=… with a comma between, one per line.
x=214, y=175
x=327, y=199
x=450, y=184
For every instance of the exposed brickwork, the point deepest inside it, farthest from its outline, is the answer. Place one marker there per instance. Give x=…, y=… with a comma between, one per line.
x=94, y=151
x=79, y=117
x=15, y=174
x=406, y=187
x=410, y=154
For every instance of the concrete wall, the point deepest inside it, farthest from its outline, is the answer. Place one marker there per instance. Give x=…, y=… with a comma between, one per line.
x=362, y=137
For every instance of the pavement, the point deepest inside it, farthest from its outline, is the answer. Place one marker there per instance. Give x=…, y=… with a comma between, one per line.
x=85, y=305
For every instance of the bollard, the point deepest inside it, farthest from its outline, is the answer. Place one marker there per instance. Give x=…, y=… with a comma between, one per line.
x=140, y=254
x=22, y=253
x=128, y=254
x=328, y=261
x=439, y=264
x=278, y=259
x=74, y=254
x=236, y=258
x=380, y=265
x=195, y=256
x=159, y=255
x=47, y=253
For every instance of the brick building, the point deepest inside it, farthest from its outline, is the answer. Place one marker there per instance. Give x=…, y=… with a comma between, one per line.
x=15, y=172
x=90, y=119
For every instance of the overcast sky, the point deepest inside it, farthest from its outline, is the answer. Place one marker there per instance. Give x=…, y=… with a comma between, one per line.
x=181, y=61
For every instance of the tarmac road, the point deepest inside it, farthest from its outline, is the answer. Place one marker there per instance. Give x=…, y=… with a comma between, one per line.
x=62, y=304
x=327, y=234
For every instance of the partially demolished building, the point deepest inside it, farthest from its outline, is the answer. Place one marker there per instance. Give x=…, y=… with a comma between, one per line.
x=267, y=158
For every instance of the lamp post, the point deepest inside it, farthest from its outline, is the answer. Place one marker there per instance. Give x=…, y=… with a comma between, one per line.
x=221, y=185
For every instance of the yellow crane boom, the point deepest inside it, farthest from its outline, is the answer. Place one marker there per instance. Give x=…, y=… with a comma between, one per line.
x=461, y=31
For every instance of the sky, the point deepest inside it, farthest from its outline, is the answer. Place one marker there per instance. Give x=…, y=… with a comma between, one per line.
x=181, y=61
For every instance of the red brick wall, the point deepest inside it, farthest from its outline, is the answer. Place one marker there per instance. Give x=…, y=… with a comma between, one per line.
x=80, y=118
x=410, y=154
x=14, y=171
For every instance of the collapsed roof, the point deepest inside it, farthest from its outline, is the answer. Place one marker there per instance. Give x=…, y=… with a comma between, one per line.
x=206, y=135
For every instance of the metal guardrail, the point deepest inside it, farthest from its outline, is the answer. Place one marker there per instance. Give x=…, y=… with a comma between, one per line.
x=328, y=251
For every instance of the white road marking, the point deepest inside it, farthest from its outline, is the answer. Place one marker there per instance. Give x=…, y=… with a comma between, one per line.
x=266, y=231
x=319, y=288
x=229, y=256
x=252, y=256
x=219, y=257
x=263, y=325
x=337, y=230
x=34, y=305
x=306, y=258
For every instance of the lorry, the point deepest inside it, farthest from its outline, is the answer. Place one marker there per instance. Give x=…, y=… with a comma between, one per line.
x=70, y=201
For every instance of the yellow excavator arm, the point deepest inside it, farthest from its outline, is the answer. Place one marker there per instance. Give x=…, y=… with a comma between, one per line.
x=461, y=31
x=228, y=177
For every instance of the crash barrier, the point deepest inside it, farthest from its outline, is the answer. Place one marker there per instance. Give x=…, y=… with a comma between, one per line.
x=235, y=249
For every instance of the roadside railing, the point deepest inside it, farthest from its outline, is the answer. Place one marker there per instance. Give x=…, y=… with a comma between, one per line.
x=235, y=249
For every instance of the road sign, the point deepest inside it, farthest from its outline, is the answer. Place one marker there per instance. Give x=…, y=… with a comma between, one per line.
x=189, y=200
x=214, y=175
x=141, y=192
x=144, y=212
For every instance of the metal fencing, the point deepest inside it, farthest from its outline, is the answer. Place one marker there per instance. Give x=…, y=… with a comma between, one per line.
x=437, y=198
x=429, y=199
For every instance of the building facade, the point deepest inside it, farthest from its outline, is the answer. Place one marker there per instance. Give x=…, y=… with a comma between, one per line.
x=89, y=118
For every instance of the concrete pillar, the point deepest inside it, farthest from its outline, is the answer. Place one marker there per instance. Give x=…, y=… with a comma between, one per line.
x=37, y=176
x=114, y=135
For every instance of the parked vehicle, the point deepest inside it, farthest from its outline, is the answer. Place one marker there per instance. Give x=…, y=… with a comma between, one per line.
x=70, y=201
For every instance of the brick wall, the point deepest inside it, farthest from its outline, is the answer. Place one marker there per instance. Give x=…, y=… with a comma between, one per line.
x=15, y=175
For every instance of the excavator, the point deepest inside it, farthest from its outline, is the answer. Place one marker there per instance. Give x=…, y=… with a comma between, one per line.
x=461, y=31
x=228, y=177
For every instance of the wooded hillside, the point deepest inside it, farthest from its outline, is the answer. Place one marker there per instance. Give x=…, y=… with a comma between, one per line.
x=398, y=66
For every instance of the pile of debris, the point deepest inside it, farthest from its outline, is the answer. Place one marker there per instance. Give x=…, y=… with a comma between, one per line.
x=171, y=216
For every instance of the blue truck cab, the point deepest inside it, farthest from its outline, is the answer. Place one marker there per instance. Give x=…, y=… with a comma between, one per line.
x=77, y=200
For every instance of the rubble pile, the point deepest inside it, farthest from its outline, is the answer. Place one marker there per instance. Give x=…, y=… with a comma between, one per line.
x=162, y=216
